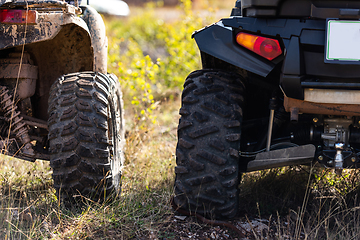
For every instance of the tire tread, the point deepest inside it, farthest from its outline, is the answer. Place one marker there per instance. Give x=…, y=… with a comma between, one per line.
x=207, y=154
x=78, y=135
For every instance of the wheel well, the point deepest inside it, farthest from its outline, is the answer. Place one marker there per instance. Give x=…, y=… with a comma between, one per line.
x=257, y=94
x=258, y=89
x=212, y=62
x=70, y=51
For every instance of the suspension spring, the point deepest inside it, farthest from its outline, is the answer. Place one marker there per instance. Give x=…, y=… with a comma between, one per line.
x=17, y=125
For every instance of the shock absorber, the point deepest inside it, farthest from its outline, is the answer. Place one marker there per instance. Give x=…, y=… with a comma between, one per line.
x=17, y=125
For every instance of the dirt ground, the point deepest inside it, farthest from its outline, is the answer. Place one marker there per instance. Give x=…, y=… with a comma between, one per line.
x=179, y=227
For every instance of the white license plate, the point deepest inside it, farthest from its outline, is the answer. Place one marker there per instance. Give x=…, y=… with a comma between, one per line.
x=343, y=40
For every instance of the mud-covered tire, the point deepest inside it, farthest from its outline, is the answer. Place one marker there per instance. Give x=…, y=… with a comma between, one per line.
x=207, y=153
x=86, y=135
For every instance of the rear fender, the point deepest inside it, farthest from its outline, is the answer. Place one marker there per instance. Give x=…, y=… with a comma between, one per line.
x=48, y=26
x=218, y=41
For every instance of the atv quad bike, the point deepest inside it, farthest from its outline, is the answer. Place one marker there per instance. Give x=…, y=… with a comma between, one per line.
x=280, y=86
x=57, y=102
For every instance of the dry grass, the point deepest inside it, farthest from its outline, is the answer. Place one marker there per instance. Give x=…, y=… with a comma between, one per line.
x=323, y=206
x=304, y=202
x=29, y=208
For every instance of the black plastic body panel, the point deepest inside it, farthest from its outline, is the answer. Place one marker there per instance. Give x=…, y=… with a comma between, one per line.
x=303, y=60
x=218, y=42
x=285, y=28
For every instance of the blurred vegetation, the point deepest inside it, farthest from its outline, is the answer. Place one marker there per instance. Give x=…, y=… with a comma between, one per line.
x=196, y=3
x=152, y=57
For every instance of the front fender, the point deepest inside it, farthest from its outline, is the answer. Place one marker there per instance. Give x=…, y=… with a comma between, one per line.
x=218, y=41
x=99, y=41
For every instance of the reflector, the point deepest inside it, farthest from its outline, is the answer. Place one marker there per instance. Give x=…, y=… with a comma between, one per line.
x=266, y=47
x=17, y=16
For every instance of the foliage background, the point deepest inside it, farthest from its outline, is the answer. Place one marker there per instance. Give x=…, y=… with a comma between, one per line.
x=152, y=57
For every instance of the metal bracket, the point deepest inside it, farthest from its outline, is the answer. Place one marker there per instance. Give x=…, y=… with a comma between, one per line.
x=282, y=157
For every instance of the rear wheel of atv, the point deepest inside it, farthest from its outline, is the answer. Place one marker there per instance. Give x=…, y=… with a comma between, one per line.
x=86, y=135
x=207, y=154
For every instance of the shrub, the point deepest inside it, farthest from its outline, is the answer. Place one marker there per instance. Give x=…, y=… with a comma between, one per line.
x=152, y=58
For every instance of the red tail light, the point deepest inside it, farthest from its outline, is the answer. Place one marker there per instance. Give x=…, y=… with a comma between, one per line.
x=17, y=16
x=266, y=47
